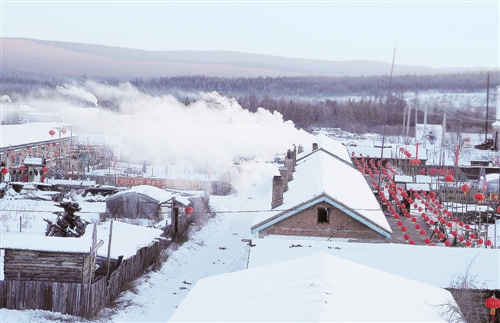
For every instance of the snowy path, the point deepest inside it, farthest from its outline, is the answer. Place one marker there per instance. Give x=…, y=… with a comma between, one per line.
x=215, y=249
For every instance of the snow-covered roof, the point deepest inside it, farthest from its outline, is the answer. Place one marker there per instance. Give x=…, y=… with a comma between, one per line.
x=329, y=145
x=400, y=259
x=418, y=186
x=333, y=146
x=409, y=179
x=155, y=193
x=391, y=151
x=370, y=152
x=126, y=240
x=320, y=176
x=24, y=134
x=34, y=161
x=317, y=288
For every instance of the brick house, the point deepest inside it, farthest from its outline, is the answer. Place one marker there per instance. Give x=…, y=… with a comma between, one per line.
x=324, y=197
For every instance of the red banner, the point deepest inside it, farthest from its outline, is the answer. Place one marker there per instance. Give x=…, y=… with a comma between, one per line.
x=134, y=181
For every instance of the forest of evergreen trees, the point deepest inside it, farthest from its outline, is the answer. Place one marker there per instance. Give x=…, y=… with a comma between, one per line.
x=309, y=101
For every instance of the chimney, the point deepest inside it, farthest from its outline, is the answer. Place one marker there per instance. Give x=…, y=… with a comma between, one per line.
x=288, y=164
x=300, y=149
x=290, y=156
x=284, y=173
x=315, y=146
x=277, y=191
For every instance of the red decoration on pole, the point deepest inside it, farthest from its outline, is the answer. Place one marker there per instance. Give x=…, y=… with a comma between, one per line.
x=449, y=178
x=52, y=132
x=44, y=169
x=479, y=197
x=492, y=302
x=465, y=188
x=63, y=130
x=5, y=170
x=189, y=210
x=22, y=168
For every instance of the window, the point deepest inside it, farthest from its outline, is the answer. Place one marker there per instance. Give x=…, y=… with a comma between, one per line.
x=323, y=215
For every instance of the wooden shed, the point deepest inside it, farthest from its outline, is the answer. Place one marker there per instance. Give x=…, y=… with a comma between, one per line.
x=54, y=266
x=51, y=259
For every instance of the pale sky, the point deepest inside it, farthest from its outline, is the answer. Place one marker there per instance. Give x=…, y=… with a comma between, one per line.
x=426, y=33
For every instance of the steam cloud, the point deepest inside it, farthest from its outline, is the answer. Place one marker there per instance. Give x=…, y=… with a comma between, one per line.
x=211, y=132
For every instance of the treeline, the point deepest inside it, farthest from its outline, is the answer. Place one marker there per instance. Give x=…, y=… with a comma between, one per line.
x=311, y=87
x=309, y=101
x=360, y=116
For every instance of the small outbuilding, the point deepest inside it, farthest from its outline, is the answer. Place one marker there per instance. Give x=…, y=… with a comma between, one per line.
x=143, y=202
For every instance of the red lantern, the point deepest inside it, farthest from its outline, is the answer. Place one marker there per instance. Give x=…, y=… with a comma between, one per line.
x=498, y=209
x=488, y=242
x=406, y=237
x=189, y=210
x=468, y=243
x=441, y=235
x=52, y=132
x=403, y=228
x=44, y=169
x=422, y=232
x=479, y=197
x=465, y=188
x=472, y=236
x=492, y=302
x=447, y=243
x=22, y=168
x=427, y=241
x=449, y=178
x=5, y=170
x=63, y=130
x=480, y=241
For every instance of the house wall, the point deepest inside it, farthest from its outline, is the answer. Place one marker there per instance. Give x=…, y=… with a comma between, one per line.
x=305, y=223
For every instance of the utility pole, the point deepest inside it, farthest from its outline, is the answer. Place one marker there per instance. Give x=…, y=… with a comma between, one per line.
x=487, y=106
x=425, y=124
x=416, y=120
x=408, y=124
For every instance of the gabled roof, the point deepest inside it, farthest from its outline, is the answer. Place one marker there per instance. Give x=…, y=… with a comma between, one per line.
x=331, y=146
x=161, y=196
x=317, y=288
x=320, y=177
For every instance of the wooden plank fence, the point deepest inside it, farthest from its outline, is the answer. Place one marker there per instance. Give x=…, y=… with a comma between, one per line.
x=79, y=299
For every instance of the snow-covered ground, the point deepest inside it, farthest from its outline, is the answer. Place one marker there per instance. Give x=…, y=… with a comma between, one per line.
x=215, y=249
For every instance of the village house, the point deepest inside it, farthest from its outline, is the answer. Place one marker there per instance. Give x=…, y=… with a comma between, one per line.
x=316, y=288
x=322, y=195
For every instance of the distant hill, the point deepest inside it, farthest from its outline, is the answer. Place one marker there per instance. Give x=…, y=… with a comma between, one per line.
x=38, y=58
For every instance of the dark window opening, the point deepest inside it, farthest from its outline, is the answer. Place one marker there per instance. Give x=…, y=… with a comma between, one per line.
x=323, y=215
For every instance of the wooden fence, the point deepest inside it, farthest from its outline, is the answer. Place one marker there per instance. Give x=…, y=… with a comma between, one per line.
x=79, y=299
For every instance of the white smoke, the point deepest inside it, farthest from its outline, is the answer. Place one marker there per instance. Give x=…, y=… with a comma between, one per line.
x=5, y=98
x=210, y=132
x=71, y=90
